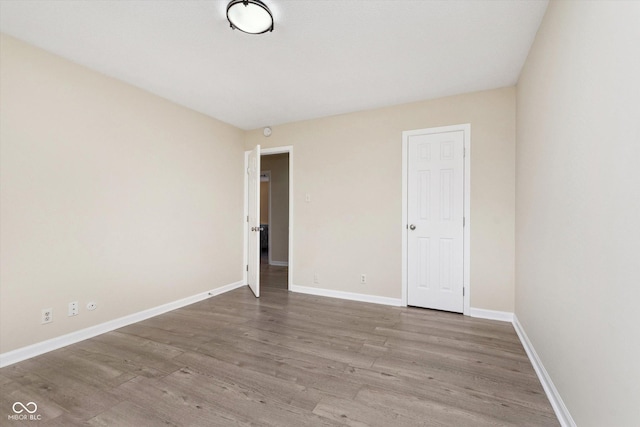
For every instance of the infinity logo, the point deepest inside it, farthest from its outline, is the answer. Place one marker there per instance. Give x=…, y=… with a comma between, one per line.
x=22, y=407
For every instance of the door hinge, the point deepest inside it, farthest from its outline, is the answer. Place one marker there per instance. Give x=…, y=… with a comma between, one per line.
x=462, y=291
x=464, y=221
x=247, y=218
x=464, y=151
x=247, y=267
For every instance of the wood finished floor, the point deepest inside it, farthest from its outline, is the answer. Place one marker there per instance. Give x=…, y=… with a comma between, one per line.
x=286, y=359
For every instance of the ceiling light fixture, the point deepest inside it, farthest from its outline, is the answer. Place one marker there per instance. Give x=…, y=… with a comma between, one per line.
x=249, y=16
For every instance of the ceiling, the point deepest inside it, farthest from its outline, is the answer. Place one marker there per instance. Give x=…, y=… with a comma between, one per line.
x=324, y=57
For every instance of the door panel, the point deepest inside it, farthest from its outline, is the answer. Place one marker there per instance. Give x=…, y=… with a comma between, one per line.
x=435, y=210
x=253, y=222
x=424, y=246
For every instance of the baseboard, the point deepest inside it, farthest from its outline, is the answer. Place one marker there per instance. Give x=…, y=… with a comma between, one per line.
x=564, y=417
x=397, y=302
x=279, y=263
x=24, y=353
x=481, y=313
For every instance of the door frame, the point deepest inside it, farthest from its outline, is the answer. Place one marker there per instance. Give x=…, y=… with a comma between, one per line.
x=288, y=149
x=466, y=129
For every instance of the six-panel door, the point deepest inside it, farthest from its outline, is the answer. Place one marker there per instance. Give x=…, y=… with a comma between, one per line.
x=435, y=254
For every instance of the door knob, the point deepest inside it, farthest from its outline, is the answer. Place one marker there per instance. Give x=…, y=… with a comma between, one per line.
x=412, y=227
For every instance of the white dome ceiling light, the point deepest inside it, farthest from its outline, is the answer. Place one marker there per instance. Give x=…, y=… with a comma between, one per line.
x=249, y=16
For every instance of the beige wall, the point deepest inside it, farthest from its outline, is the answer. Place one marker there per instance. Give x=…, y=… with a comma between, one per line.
x=578, y=207
x=109, y=194
x=350, y=165
x=264, y=202
x=278, y=164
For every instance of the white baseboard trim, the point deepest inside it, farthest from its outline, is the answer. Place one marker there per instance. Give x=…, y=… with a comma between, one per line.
x=481, y=313
x=564, y=417
x=397, y=302
x=24, y=353
x=279, y=263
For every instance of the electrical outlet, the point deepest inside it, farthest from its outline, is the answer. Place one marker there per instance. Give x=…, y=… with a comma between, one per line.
x=363, y=279
x=47, y=315
x=316, y=278
x=92, y=305
x=73, y=308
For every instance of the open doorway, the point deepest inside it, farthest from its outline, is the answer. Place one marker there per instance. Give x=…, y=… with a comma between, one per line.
x=274, y=221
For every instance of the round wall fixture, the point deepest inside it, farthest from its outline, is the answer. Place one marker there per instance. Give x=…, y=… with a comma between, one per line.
x=249, y=16
x=266, y=131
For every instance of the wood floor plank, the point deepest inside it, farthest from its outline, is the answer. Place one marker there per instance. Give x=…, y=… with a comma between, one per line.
x=335, y=327
x=286, y=388
x=460, y=366
x=85, y=367
x=128, y=414
x=173, y=405
x=185, y=339
x=270, y=358
x=524, y=393
x=312, y=344
x=23, y=391
x=303, y=368
x=51, y=387
x=134, y=349
x=287, y=359
x=245, y=401
x=354, y=413
x=466, y=398
x=519, y=364
x=423, y=411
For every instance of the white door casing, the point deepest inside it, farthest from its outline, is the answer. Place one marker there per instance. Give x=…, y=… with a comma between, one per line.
x=434, y=214
x=249, y=257
x=253, y=220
